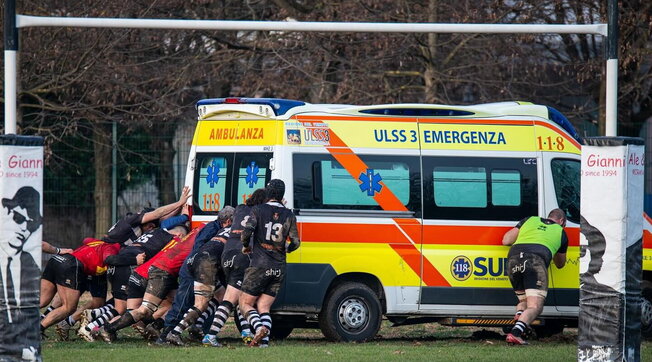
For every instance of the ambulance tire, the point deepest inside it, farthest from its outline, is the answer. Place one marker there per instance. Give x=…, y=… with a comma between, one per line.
x=351, y=313
x=646, y=309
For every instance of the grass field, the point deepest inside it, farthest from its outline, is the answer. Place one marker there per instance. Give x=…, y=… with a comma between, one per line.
x=419, y=342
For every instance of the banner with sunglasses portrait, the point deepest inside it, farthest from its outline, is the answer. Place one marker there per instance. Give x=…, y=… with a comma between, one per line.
x=611, y=226
x=21, y=234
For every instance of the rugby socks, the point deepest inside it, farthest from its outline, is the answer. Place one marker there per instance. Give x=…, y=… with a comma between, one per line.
x=266, y=320
x=48, y=310
x=97, y=312
x=102, y=319
x=244, y=324
x=212, y=306
x=125, y=321
x=147, y=319
x=519, y=328
x=189, y=318
x=70, y=321
x=254, y=320
x=221, y=315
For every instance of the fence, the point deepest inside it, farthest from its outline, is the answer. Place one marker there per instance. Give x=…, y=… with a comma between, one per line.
x=69, y=184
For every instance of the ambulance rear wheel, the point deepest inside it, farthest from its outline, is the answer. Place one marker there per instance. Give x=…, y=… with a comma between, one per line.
x=351, y=313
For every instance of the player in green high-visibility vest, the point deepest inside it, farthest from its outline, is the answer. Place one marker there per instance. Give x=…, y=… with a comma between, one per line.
x=535, y=242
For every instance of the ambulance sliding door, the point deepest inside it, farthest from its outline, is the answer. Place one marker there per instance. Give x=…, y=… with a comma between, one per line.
x=470, y=200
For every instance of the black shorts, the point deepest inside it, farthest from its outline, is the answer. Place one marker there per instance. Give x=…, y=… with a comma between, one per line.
x=65, y=270
x=204, y=269
x=96, y=285
x=234, y=265
x=136, y=287
x=160, y=282
x=259, y=281
x=119, y=278
x=527, y=271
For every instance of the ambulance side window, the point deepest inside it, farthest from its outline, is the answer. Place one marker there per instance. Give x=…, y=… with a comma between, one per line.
x=474, y=188
x=566, y=177
x=321, y=182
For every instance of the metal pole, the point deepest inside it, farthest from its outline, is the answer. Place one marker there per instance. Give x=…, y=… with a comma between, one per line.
x=11, y=49
x=114, y=172
x=611, y=112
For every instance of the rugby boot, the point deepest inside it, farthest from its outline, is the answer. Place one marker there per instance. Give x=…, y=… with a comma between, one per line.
x=261, y=333
x=85, y=334
x=63, y=329
x=246, y=336
x=195, y=333
x=175, y=339
x=86, y=318
x=210, y=341
x=512, y=339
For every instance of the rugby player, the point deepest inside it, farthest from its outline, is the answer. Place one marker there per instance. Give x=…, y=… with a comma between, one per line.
x=128, y=229
x=66, y=275
x=184, y=297
x=234, y=264
x=535, y=242
x=271, y=224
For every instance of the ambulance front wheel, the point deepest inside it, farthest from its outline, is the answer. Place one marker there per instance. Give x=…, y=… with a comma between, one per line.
x=351, y=313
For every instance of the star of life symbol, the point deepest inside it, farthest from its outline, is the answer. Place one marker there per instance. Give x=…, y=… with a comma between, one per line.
x=213, y=171
x=370, y=182
x=252, y=174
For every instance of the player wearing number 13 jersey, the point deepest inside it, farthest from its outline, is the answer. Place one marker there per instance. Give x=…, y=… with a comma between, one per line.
x=271, y=225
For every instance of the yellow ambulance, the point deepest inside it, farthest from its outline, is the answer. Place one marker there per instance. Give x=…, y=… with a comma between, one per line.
x=401, y=207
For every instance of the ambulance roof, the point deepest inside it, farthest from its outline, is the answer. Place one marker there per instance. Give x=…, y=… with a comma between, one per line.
x=285, y=109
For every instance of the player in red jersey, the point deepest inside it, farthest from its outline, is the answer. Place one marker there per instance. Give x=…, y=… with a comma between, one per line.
x=163, y=274
x=66, y=275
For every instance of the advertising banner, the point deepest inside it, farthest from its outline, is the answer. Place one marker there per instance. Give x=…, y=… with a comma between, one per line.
x=611, y=226
x=21, y=198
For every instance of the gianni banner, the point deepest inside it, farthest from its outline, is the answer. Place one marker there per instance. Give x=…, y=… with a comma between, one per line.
x=611, y=226
x=21, y=199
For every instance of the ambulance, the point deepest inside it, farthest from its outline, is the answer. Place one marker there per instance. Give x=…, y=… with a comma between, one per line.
x=401, y=208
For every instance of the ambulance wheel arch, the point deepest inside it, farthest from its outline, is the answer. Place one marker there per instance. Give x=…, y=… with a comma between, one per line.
x=353, y=308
